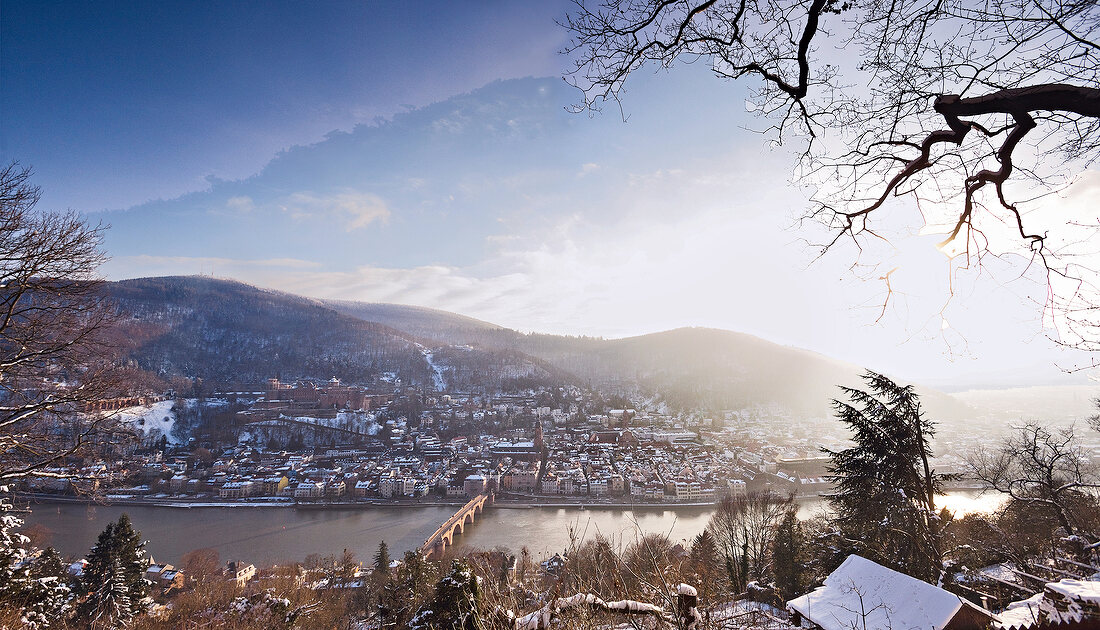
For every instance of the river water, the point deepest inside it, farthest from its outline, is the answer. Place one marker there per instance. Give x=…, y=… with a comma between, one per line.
x=270, y=535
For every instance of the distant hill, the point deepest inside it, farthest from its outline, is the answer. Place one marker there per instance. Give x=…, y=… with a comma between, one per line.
x=724, y=369
x=721, y=369
x=1057, y=403
x=228, y=332
x=687, y=367
x=426, y=323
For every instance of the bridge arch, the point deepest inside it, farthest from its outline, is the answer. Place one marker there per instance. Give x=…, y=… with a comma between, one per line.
x=443, y=537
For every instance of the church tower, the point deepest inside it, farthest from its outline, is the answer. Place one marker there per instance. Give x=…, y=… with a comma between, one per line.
x=539, y=443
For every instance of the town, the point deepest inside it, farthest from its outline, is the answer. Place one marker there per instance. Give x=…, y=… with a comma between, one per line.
x=316, y=444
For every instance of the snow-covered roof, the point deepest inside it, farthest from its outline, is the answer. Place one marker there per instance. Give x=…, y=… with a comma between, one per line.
x=1060, y=602
x=1022, y=614
x=1079, y=590
x=864, y=594
x=1069, y=601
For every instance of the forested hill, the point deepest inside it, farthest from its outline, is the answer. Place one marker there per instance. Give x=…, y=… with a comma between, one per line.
x=686, y=367
x=701, y=367
x=228, y=332
x=427, y=323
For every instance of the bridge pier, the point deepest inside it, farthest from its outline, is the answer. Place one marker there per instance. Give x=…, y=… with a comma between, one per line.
x=443, y=536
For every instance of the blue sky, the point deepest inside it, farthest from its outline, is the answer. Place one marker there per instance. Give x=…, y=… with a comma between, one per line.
x=117, y=103
x=422, y=153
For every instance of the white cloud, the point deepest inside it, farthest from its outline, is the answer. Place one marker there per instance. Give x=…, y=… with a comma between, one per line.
x=356, y=209
x=588, y=168
x=242, y=203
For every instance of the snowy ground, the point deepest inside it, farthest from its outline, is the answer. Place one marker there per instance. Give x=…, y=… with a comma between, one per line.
x=1023, y=613
x=437, y=370
x=361, y=421
x=147, y=419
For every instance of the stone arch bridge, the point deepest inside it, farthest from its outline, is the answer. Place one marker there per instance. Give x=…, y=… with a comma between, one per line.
x=443, y=537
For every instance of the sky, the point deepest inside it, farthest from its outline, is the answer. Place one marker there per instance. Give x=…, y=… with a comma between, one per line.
x=424, y=153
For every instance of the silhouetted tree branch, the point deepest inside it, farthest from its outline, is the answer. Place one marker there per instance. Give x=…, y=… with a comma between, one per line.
x=1040, y=467
x=972, y=109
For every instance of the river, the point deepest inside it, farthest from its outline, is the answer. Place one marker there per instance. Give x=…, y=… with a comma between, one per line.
x=270, y=535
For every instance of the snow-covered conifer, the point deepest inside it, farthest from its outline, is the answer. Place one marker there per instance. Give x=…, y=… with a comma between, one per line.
x=32, y=589
x=455, y=603
x=114, y=585
x=109, y=606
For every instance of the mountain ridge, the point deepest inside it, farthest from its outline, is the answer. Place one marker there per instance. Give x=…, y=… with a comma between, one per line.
x=182, y=328
x=229, y=331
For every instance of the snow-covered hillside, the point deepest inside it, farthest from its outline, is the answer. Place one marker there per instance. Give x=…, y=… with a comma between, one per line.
x=437, y=370
x=149, y=419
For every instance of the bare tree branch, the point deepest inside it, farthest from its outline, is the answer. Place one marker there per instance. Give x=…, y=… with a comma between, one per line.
x=55, y=354
x=883, y=98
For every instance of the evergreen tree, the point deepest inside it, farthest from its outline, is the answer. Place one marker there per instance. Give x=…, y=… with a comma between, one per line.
x=706, y=565
x=113, y=584
x=409, y=586
x=455, y=603
x=704, y=551
x=382, y=560
x=49, y=564
x=48, y=591
x=736, y=583
x=12, y=555
x=885, y=489
x=130, y=552
x=99, y=565
x=109, y=605
x=788, y=556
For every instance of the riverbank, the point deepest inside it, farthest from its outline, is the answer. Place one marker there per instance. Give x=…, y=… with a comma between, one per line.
x=37, y=498
x=578, y=503
x=33, y=498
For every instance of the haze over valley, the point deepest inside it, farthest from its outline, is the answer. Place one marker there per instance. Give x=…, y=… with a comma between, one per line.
x=235, y=336
x=559, y=315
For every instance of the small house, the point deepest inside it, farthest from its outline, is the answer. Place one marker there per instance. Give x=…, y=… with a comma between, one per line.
x=240, y=573
x=866, y=595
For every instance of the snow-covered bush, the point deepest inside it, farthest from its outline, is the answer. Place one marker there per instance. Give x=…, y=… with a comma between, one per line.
x=455, y=603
